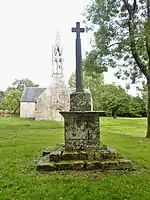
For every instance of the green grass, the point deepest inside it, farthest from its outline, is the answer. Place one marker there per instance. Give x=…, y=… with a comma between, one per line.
x=21, y=145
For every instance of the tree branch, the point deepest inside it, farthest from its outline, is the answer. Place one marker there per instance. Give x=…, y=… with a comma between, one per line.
x=113, y=44
x=128, y=6
x=131, y=11
x=148, y=8
x=148, y=49
x=147, y=36
x=134, y=6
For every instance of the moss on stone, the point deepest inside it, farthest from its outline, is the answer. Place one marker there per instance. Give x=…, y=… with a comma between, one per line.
x=93, y=165
x=67, y=155
x=121, y=164
x=105, y=158
x=55, y=156
x=70, y=165
x=46, y=166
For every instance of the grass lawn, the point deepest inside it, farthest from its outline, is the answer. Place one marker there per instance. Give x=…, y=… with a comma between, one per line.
x=21, y=145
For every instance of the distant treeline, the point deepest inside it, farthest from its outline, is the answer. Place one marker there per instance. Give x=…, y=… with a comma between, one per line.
x=112, y=98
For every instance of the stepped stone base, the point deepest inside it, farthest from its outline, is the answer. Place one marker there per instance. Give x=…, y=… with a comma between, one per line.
x=106, y=158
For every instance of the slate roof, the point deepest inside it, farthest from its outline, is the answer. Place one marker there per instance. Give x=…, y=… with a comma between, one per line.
x=30, y=94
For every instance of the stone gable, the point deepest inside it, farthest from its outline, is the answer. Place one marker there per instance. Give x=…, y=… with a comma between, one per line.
x=53, y=100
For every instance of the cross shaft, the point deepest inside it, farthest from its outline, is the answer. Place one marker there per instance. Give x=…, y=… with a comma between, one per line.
x=78, y=30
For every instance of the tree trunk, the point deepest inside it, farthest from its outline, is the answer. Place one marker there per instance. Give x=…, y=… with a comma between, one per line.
x=14, y=111
x=114, y=113
x=148, y=111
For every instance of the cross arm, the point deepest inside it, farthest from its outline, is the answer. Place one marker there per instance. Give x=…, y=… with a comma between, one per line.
x=82, y=30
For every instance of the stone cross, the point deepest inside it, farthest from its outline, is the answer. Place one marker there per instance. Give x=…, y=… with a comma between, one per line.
x=78, y=30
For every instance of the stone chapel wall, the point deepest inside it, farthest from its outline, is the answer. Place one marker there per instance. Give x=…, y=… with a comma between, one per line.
x=54, y=99
x=27, y=110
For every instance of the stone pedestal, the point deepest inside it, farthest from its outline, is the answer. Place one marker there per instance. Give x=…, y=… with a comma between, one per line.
x=82, y=149
x=104, y=159
x=82, y=130
x=80, y=101
x=81, y=125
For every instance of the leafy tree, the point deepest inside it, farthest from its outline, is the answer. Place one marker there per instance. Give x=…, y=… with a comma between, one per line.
x=112, y=98
x=1, y=99
x=122, y=39
x=20, y=84
x=11, y=100
x=94, y=83
x=135, y=107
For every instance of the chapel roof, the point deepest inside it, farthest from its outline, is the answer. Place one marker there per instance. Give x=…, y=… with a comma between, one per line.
x=30, y=94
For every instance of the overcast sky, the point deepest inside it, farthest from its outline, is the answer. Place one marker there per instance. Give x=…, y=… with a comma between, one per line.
x=27, y=31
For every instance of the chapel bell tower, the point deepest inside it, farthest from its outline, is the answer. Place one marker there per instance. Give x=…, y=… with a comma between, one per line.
x=57, y=56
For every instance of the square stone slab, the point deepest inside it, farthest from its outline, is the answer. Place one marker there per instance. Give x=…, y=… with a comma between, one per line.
x=92, y=165
x=121, y=164
x=55, y=156
x=45, y=165
x=70, y=165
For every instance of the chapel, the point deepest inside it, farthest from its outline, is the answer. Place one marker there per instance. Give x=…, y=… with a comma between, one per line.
x=46, y=103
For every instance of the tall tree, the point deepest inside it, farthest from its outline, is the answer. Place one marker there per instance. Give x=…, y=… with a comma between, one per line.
x=21, y=83
x=1, y=99
x=112, y=98
x=11, y=100
x=122, y=39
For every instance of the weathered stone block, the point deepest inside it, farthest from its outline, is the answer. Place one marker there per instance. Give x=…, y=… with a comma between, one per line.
x=81, y=155
x=109, y=165
x=45, y=153
x=55, y=156
x=116, y=165
x=112, y=152
x=78, y=165
x=93, y=165
x=48, y=150
x=68, y=155
x=70, y=165
x=45, y=165
x=58, y=147
x=97, y=155
x=91, y=155
x=82, y=130
x=64, y=165
x=80, y=101
x=125, y=164
x=107, y=153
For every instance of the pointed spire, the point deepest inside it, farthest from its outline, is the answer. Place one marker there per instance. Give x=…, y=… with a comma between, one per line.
x=57, y=41
x=57, y=55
